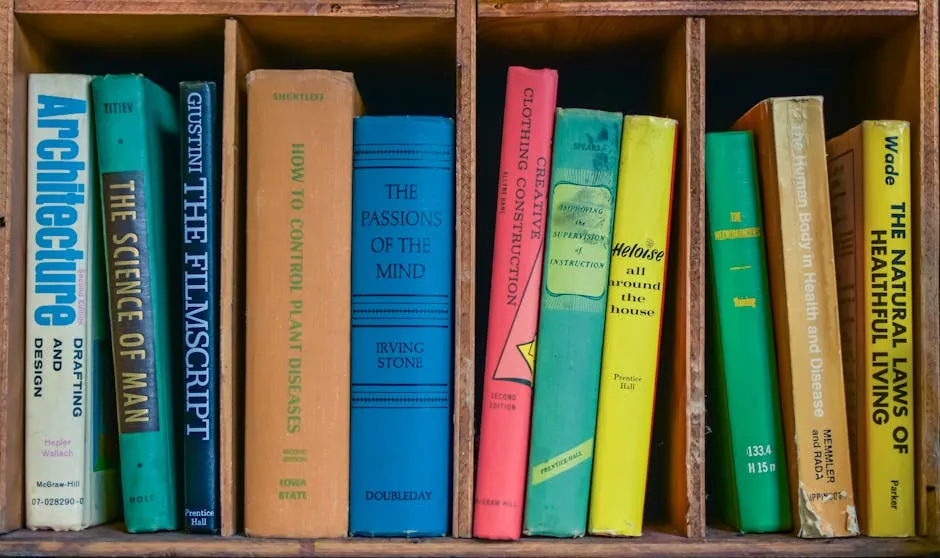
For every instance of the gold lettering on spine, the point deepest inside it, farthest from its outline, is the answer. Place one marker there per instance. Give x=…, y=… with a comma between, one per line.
x=129, y=287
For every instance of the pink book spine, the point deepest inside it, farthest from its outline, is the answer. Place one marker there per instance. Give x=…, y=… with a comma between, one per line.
x=521, y=212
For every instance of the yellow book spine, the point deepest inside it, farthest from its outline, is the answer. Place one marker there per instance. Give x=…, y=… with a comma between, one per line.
x=889, y=420
x=632, y=326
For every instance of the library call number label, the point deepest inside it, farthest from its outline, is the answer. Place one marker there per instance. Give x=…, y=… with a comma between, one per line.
x=757, y=466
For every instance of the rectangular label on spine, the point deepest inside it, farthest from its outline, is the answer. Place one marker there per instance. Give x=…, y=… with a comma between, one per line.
x=790, y=138
x=635, y=298
x=516, y=284
x=137, y=133
x=585, y=156
x=132, y=320
x=200, y=298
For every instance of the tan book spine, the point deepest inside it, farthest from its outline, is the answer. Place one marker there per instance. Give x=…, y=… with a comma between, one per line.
x=298, y=236
x=845, y=167
x=791, y=144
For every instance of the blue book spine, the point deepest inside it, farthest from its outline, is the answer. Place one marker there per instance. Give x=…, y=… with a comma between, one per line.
x=200, y=222
x=401, y=362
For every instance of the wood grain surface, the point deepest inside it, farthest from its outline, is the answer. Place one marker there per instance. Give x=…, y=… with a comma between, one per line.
x=499, y=8
x=12, y=228
x=112, y=541
x=341, y=8
x=465, y=272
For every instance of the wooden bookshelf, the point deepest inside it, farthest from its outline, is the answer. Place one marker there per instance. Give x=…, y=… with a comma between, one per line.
x=700, y=61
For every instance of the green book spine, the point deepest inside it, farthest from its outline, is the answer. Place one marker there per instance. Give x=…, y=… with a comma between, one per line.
x=743, y=404
x=571, y=320
x=137, y=134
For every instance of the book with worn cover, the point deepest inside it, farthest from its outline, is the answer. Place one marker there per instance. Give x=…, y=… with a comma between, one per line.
x=870, y=198
x=402, y=324
x=743, y=403
x=199, y=170
x=297, y=299
x=516, y=284
x=790, y=142
x=71, y=461
x=582, y=195
x=137, y=129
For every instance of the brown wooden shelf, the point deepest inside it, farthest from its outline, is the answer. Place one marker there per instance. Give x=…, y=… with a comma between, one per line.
x=498, y=8
x=112, y=541
x=342, y=8
x=488, y=8
x=675, y=56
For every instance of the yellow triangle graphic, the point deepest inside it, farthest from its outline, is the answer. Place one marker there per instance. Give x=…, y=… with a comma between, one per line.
x=528, y=353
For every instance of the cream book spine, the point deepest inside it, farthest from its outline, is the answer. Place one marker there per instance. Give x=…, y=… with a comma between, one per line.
x=70, y=473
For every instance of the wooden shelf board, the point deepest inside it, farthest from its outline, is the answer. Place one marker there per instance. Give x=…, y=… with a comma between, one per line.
x=112, y=541
x=344, y=8
x=489, y=8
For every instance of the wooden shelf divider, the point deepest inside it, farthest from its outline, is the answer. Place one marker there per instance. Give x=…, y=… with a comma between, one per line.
x=685, y=39
x=465, y=271
x=12, y=289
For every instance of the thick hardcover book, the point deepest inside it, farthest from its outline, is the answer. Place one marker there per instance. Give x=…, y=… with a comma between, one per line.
x=71, y=434
x=516, y=284
x=633, y=325
x=137, y=130
x=790, y=141
x=402, y=321
x=746, y=441
x=870, y=198
x=297, y=331
x=200, y=221
x=585, y=159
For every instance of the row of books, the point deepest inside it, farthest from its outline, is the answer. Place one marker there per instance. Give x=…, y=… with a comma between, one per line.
x=810, y=334
x=348, y=325
x=573, y=346
x=349, y=281
x=348, y=276
x=122, y=312
x=576, y=299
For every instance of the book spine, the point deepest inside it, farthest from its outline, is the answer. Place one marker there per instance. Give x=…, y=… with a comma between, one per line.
x=845, y=168
x=297, y=287
x=402, y=322
x=638, y=258
x=889, y=355
x=200, y=226
x=135, y=198
x=585, y=158
x=521, y=211
x=102, y=456
x=743, y=398
x=808, y=323
x=59, y=317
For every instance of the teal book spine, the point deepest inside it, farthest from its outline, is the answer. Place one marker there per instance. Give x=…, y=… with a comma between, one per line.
x=585, y=160
x=743, y=404
x=137, y=131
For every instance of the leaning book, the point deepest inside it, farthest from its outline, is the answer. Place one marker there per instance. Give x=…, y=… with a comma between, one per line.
x=71, y=438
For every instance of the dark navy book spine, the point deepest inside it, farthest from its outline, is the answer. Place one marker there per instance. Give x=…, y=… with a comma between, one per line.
x=200, y=179
x=401, y=361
